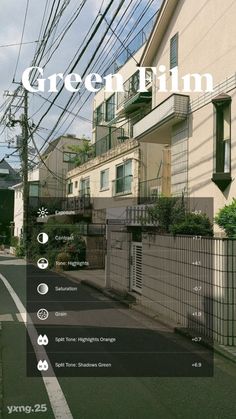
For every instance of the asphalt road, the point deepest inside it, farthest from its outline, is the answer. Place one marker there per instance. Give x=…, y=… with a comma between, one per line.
x=101, y=397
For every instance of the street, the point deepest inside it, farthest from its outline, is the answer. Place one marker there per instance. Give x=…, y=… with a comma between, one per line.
x=103, y=397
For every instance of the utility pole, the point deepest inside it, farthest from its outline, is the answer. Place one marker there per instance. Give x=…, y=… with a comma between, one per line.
x=24, y=163
x=23, y=152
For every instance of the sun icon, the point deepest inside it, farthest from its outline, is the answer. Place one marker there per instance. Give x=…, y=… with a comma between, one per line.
x=43, y=212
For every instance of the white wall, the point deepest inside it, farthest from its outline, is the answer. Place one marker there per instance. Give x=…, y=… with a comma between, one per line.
x=18, y=210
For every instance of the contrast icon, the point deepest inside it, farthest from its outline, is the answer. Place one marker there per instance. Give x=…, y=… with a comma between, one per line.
x=42, y=263
x=42, y=289
x=42, y=340
x=42, y=365
x=42, y=238
x=42, y=314
x=43, y=212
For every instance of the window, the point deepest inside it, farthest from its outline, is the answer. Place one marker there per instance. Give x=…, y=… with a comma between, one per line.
x=70, y=188
x=98, y=116
x=222, y=141
x=123, y=181
x=174, y=51
x=110, y=108
x=68, y=157
x=84, y=187
x=104, y=179
x=76, y=184
x=134, y=83
x=34, y=190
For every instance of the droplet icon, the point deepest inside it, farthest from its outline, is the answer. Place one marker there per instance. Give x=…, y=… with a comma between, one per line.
x=42, y=365
x=42, y=340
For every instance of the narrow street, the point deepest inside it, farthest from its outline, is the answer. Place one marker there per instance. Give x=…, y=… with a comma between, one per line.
x=95, y=398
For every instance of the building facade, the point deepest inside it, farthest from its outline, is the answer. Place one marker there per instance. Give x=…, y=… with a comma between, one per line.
x=199, y=127
x=8, y=177
x=48, y=178
x=122, y=170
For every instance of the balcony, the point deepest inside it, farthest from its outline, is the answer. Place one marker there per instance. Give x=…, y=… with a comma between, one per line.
x=130, y=100
x=122, y=186
x=113, y=137
x=76, y=204
x=84, y=192
x=156, y=125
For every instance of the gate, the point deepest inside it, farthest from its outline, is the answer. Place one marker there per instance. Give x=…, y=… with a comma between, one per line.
x=136, y=267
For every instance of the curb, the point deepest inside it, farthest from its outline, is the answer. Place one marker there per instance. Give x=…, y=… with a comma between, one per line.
x=220, y=349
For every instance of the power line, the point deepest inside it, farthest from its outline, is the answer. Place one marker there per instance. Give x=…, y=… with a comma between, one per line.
x=64, y=31
x=134, y=9
x=76, y=103
x=77, y=60
x=130, y=33
x=21, y=41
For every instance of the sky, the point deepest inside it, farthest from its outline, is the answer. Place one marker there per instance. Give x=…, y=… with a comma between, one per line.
x=12, y=14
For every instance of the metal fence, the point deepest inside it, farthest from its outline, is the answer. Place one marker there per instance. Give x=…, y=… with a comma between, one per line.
x=192, y=281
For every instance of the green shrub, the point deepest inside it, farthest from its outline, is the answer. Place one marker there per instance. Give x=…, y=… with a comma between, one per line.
x=20, y=250
x=193, y=225
x=166, y=212
x=64, y=257
x=226, y=219
x=14, y=241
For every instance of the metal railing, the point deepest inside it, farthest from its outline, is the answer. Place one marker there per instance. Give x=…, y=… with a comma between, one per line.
x=84, y=192
x=122, y=185
x=115, y=136
x=139, y=216
x=193, y=280
x=131, y=87
x=76, y=203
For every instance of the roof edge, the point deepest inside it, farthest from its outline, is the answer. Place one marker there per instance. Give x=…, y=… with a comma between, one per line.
x=163, y=18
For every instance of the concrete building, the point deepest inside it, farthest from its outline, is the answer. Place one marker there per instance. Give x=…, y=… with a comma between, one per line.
x=48, y=178
x=179, y=278
x=8, y=177
x=123, y=171
x=195, y=37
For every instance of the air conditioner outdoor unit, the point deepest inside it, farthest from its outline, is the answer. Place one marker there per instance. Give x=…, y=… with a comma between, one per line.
x=155, y=191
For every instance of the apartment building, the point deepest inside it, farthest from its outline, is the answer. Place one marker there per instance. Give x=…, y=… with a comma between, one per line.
x=48, y=178
x=199, y=127
x=8, y=177
x=121, y=170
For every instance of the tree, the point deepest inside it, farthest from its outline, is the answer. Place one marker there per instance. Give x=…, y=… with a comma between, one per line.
x=84, y=152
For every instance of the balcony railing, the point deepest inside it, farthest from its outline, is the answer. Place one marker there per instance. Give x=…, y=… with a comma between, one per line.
x=122, y=185
x=77, y=204
x=85, y=192
x=139, y=216
x=114, y=137
x=149, y=190
x=131, y=93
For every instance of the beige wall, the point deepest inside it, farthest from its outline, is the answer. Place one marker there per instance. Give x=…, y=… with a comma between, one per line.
x=201, y=156
x=207, y=40
x=18, y=210
x=93, y=168
x=207, y=44
x=55, y=186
